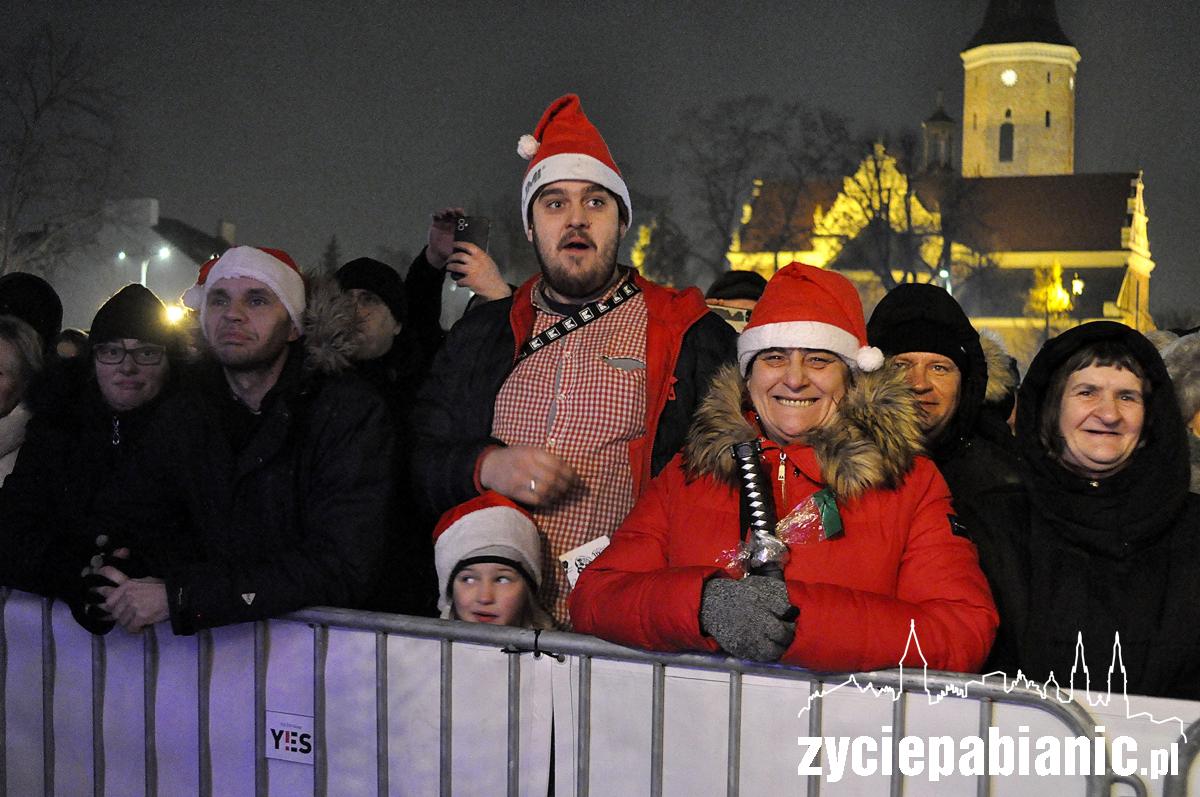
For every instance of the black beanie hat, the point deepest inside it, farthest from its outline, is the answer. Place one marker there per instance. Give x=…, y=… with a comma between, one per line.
x=132, y=312
x=31, y=299
x=737, y=285
x=380, y=279
x=922, y=317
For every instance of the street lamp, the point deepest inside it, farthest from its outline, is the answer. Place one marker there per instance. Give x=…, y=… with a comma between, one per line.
x=164, y=253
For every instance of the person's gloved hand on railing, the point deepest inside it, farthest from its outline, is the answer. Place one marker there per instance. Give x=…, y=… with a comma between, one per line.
x=88, y=595
x=750, y=618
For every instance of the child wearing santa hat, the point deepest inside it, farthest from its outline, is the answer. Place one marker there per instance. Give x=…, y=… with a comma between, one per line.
x=489, y=564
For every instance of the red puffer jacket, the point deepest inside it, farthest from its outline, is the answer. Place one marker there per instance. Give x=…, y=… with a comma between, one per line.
x=897, y=564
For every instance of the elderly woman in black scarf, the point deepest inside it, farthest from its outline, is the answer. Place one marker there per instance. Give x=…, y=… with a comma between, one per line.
x=1111, y=545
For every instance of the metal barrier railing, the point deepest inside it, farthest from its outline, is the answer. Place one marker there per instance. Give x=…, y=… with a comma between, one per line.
x=515, y=644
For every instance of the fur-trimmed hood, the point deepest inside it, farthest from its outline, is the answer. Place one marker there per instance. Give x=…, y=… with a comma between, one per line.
x=330, y=326
x=1002, y=376
x=869, y=444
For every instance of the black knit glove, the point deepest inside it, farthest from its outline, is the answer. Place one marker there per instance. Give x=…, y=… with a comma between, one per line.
x=750, y=618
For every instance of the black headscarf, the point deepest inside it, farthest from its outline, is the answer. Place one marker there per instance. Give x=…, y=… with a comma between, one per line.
x=1137, y=503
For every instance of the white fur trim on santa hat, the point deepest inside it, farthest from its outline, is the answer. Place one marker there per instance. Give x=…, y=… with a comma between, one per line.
x=572, y=166
x=490, y=527
x=249, y=261
x=806, y=335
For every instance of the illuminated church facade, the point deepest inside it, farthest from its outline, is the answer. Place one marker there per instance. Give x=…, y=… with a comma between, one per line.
x=1026, y=245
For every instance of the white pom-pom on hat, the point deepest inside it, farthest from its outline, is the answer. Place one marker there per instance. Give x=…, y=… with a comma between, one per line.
x=527, y=146
x=869, y=358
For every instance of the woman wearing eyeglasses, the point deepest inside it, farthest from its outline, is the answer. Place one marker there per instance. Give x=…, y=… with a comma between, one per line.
x=86, y=418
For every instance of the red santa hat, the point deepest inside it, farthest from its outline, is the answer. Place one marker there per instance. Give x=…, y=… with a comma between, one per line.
x=805, y=307
x=567, y=146
x=488, y=528
x=272, y=267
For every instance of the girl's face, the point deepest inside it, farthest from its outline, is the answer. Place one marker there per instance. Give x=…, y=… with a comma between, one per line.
x=490, y=592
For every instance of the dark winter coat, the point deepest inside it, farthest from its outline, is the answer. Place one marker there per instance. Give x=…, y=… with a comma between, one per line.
x=1117, y=555
x=898, y=561
x=685, y=344
x=398, y=375
x=75, y=447
x=980, y=469
x=295, y=516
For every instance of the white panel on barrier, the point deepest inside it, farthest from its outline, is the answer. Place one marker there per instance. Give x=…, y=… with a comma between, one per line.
x=620, y=727
x=289, y=690
x=480, y=700
x=23, y=694
x=176, y=728
x=350, y=713
x=768, y=761
x=948, y=720
x=1013, y=722
x=413, y=724
x=564, y=680
x=124, y=707
x=73, y=765
x=695, y=752
x=231, y=710
x=537, y=717
x=847, y=713
x=1153, y=737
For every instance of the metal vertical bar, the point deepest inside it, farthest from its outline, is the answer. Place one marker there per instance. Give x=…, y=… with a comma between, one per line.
x=983, y=785
x=99, y=661
x=812, y=785
x=47, y=696
x=445, y=728
x=514, y=724
x=204, y=663
x=381, y=713
x=733, y=763
x=4, y=592
x=320, y=748
x=583, y=733
x=260, y=707
x=149, y=703
x=48, y=678
x=899, y=713
x=657, y=708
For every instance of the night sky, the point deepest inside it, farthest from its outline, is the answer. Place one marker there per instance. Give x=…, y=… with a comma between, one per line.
x=302, y=120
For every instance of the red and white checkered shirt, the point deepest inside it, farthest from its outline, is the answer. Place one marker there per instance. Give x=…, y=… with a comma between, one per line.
x=583, y=398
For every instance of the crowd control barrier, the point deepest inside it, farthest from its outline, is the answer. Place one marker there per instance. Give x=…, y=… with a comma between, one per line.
x=337, y=702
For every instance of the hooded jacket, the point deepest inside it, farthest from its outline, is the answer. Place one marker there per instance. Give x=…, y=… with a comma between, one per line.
x=75, y=446
x=452, y=421
x=897, y=564
x=293, y=516
x=1115, y=555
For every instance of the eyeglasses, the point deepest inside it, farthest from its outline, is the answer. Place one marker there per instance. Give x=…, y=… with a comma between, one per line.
x=112, y=354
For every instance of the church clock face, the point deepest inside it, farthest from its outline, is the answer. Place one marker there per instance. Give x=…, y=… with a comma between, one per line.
x=1009, y=77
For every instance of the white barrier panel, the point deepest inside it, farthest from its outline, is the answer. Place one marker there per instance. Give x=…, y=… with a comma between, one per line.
x=333, y=702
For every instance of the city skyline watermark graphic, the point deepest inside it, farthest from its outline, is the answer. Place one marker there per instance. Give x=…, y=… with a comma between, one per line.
x=992, y=753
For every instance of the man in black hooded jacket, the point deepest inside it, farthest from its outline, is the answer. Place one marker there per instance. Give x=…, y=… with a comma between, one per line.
x=922, y=329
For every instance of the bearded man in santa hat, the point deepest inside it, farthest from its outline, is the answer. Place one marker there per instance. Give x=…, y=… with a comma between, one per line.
x=568, y=396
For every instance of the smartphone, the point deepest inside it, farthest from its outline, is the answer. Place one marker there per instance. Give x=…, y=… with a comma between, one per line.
x=474, y=229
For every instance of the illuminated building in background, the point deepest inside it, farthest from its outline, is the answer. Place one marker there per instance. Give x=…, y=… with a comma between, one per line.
x=1014, y=210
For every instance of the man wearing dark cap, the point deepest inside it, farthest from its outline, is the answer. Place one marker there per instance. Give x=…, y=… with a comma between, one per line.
x=733, y=295
x=31, y=299
x=394, y=352
x=921, y=329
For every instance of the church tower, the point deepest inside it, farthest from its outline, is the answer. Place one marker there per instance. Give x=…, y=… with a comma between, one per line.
x=1019, y=93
